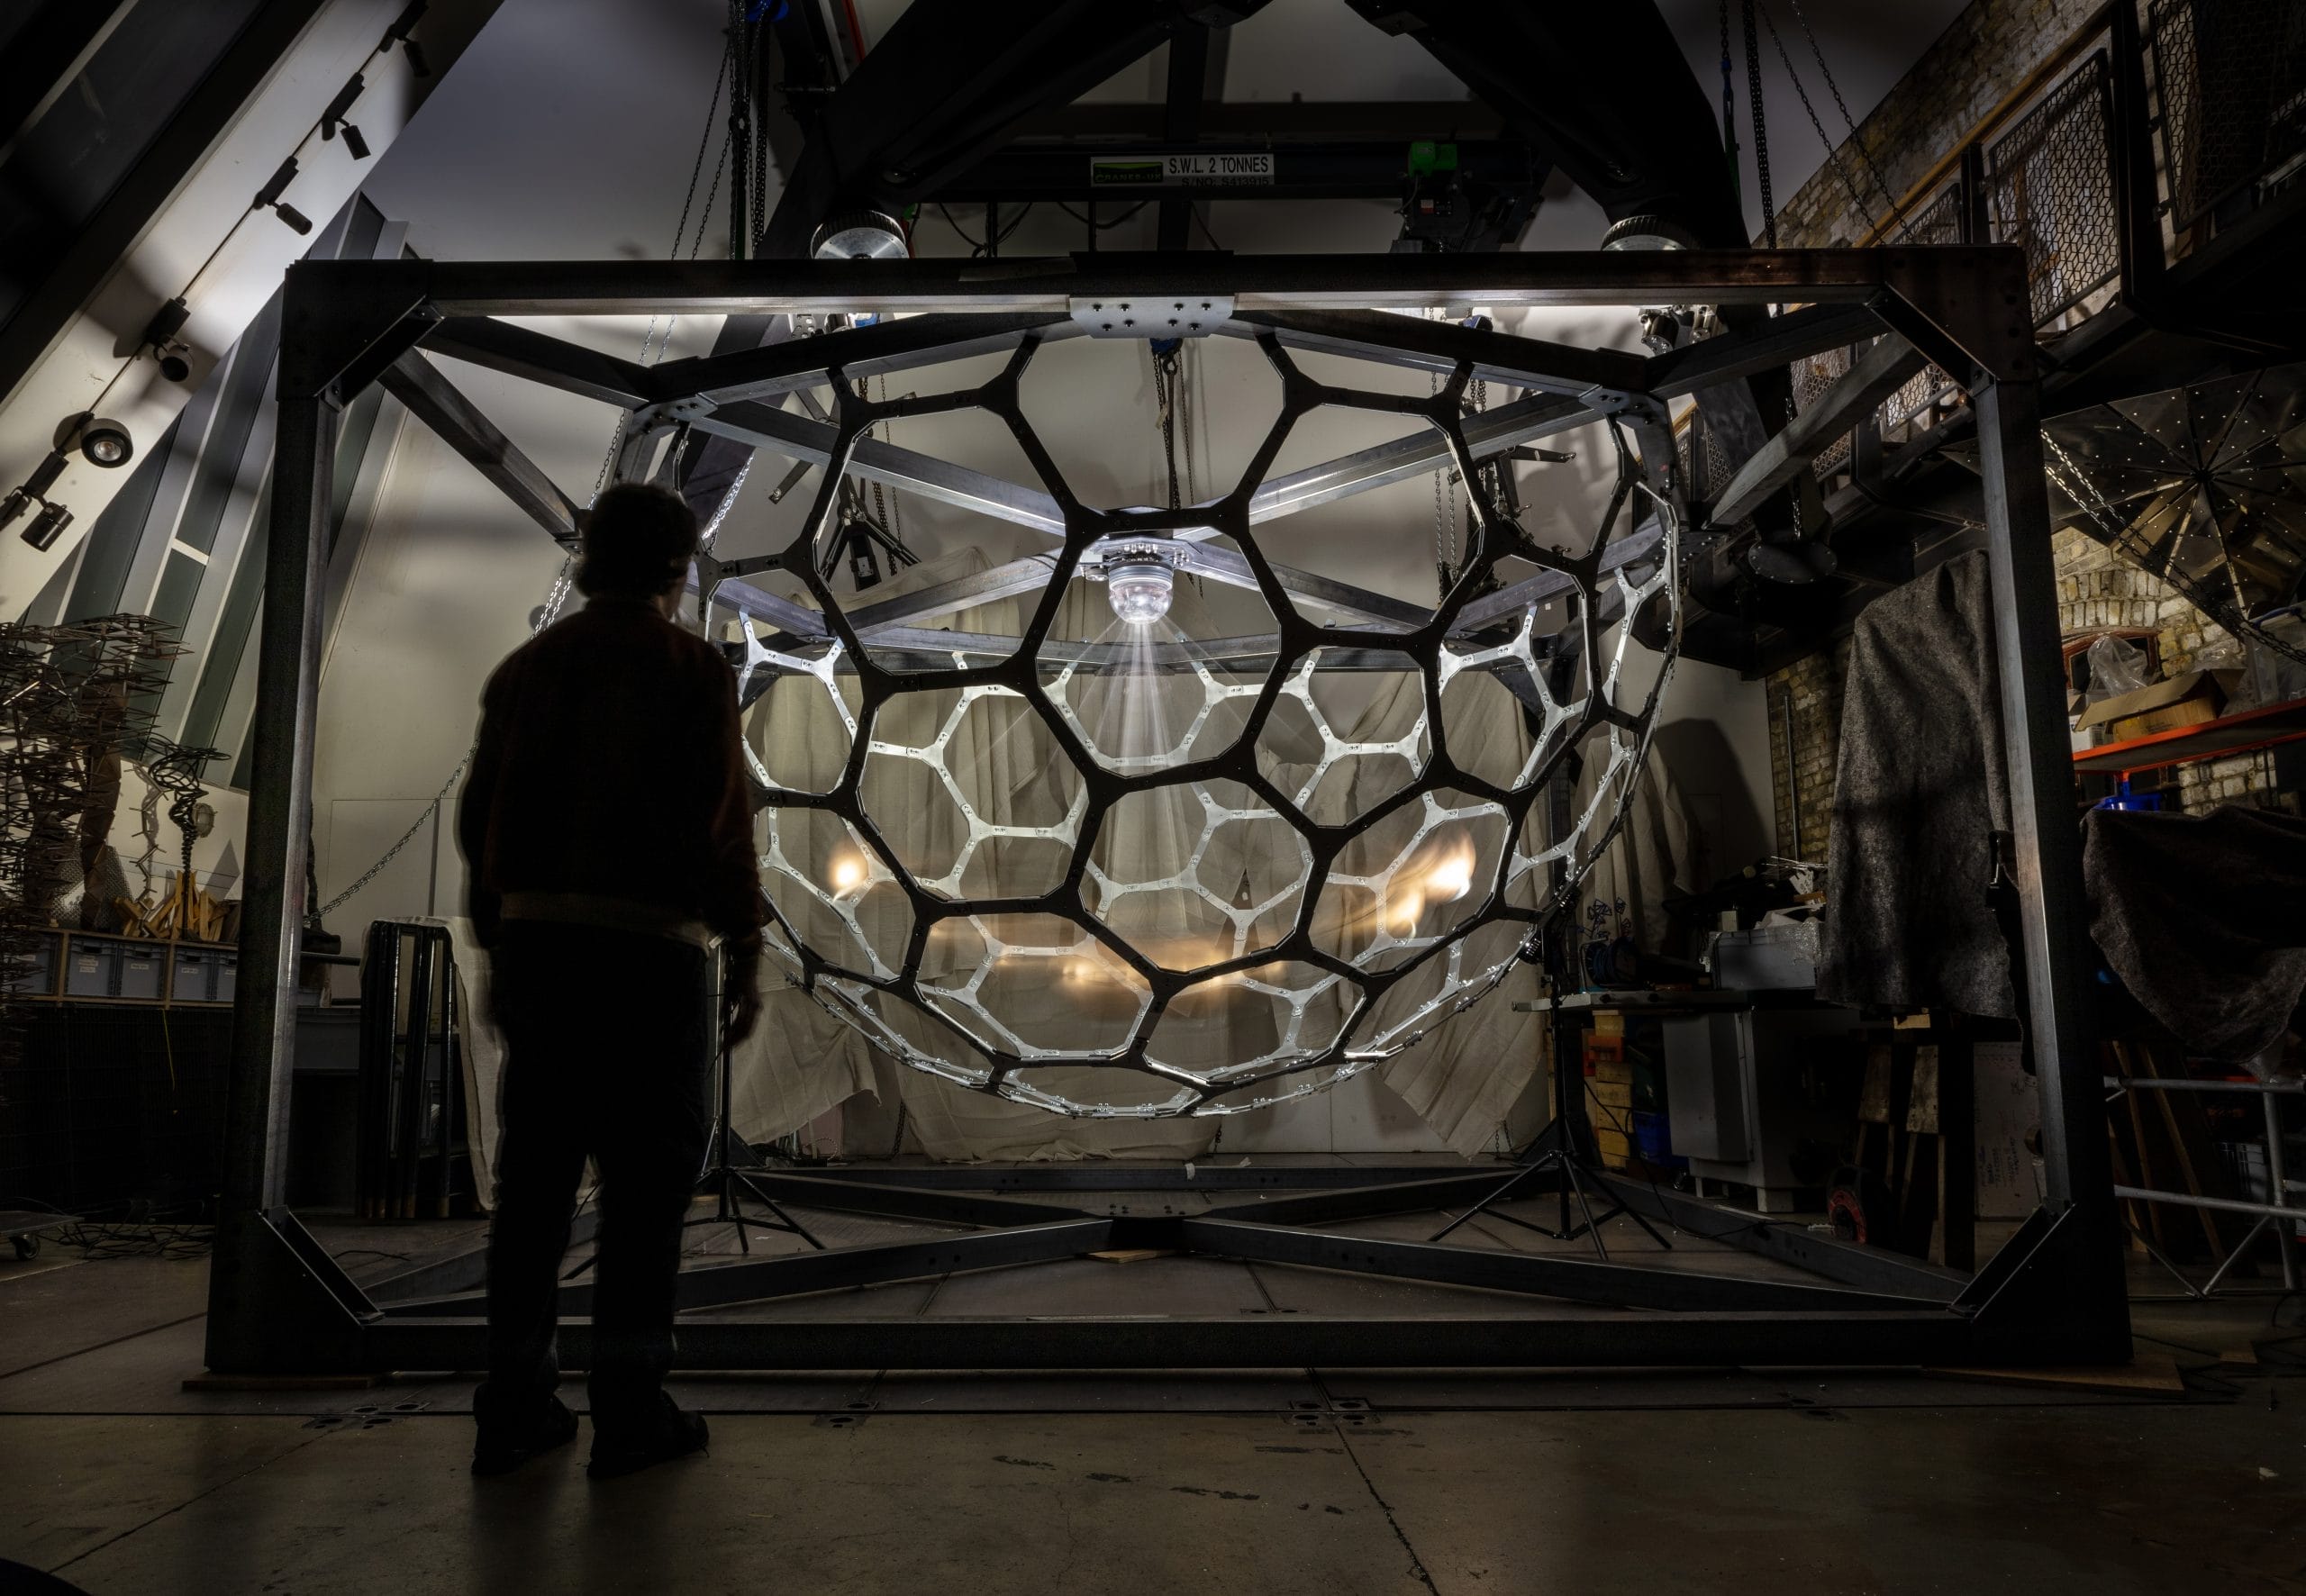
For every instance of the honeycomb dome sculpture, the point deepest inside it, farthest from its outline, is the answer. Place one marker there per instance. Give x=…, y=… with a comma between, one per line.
x=1099, y=861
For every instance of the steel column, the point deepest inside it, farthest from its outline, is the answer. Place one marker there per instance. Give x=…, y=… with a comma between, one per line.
x=2046, y=856
x=2054, y=912
x=272, y=894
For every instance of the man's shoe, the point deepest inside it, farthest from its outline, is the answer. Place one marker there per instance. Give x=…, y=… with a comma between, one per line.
x=661, y=1434
x=505, y=1446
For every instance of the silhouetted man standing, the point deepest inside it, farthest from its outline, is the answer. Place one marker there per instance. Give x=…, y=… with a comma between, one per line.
x=607, y=826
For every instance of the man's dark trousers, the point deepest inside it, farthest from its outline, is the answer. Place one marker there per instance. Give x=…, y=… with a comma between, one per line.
x=608, y=1038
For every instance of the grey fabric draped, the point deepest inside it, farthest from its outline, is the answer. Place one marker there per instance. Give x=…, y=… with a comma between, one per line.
x=1920, y=790
x=2204, y=916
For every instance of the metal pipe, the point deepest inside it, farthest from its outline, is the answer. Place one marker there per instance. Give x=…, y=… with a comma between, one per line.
x=2278, y=1187
x=2155, y=1083
x=2272, y=1210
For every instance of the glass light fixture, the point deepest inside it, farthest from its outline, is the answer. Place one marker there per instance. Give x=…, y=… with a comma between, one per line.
x=1137, y=585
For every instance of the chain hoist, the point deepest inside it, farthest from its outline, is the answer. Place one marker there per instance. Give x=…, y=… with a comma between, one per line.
x=1761, y=128
x=1166, y=384
x=1445, y=510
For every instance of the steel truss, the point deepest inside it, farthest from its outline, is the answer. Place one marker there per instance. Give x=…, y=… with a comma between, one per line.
x=2054, y=1294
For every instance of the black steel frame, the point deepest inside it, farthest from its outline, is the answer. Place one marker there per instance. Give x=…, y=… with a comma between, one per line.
x=2054, y=1294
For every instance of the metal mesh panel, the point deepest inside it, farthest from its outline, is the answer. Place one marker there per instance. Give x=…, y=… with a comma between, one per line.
x=1813, y=375
x=1706, y=466
x=2050, y=189
x=1394, y=911
x=1915, y=408
x=2251, y=54
x=1937, y=222
x=1920, y=405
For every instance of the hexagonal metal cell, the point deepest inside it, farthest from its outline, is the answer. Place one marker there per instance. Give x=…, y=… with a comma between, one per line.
x=1214, y=828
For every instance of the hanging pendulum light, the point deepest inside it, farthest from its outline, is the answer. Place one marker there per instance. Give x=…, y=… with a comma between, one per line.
x=1139, y=582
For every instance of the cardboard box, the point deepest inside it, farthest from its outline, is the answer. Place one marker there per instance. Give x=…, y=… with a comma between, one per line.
x=2187, y=700
x=1616, y=1094
x=1612, y=1144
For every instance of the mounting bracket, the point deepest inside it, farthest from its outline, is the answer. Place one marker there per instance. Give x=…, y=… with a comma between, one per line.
x=1166, y=315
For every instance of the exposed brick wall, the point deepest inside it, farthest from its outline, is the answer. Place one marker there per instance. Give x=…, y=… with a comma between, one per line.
x=1984, y=54
x=1807, y=767
x=2096, y=591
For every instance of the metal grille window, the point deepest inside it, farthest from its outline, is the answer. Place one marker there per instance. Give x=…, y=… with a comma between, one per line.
x=1812, y=377
x=1937, y=222
x=2050, y=186
x=2251, y=129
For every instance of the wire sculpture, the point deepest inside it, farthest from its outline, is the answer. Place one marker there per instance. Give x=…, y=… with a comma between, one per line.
x=174, y=768
x=1357, y=930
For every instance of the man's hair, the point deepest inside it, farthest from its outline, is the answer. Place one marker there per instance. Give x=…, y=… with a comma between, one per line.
x=637, y=541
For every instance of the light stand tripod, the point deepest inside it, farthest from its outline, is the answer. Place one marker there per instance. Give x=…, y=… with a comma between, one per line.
x=732, y=1181
x=1562, y=1150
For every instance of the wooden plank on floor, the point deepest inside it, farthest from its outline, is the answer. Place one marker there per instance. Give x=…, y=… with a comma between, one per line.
x=2153, y=1372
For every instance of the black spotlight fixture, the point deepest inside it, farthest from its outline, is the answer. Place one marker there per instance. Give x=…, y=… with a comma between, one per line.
x=333, y=122
x=105, y=443
x=269, y=197
x=52, y=518
x=48, y=526
x=168, y=348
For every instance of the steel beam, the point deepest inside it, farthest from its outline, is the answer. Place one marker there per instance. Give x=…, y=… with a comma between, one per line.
x=1864, y=1268
x=881, y=350
x=831, y=1269
x=1441, y=347
x=435, y=400
x=1226, y=565
x=1039, y=172
x=895, y=1199
x=1632, y=550
x=1132, y=1177
x=1290, y=1341
x=1880, y=371
x=1256, y=282
x=464, y=1273
x=1419, y=454
x=1571, y=1279
x=1738, y=353
x=1029, y=574
x=1373, y=1201
x=1413, y=455
x=795, y=622
x=539, y=357
x=799, y=438
x=884, y=624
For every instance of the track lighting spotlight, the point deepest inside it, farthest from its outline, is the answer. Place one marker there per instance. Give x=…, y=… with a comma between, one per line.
x=107, y=443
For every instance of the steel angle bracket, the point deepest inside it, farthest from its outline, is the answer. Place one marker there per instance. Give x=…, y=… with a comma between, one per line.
x=1166, y=315
x=282, y=1303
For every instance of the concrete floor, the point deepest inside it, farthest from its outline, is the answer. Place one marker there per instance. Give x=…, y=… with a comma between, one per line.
x=1716, y=1481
